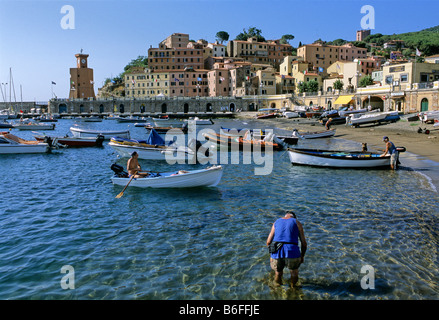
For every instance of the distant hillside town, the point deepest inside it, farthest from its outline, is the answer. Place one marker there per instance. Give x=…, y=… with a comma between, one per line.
x=384, y=72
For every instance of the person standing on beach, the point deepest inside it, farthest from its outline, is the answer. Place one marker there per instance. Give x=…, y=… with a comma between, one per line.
x=391, y=149
x=287, y=230
x=328, y=124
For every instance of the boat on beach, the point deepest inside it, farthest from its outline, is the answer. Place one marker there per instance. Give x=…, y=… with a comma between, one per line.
x=291, y=114
x=338, y=158
x=358, y=119
x=267, y=113
x=83, y=133
x=74, y=142
x=11, y=144
x=208, y=177
x=314, y=135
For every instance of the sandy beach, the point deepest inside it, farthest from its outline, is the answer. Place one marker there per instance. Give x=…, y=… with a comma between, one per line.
x=422, y=149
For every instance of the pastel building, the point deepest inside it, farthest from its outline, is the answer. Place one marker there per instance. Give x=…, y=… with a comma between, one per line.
x=218, y=49
x=271, y=52
x=176, y=52
x=322, y=55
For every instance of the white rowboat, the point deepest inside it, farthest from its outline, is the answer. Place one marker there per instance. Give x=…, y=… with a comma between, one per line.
x=337, y=159
x=209, y=177
x=314, y=135
x=84, y=133
x=10, y=144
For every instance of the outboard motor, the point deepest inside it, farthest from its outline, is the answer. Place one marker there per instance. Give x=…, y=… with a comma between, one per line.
x=119, y=170
x=99, y=141
x=49, y=141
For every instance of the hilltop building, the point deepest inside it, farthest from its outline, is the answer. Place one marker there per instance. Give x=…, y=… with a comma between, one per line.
x=362, y=34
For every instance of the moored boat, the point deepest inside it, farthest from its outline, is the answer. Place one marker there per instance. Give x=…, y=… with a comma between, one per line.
x=208, y=177
x=166, y=122
x=83, y=133
x=199, y=121
x=339, y=159
x=92, y=119
x=240, y=142
x=154, y=148
x=11, y=144
x=164, y=130
x=74, y=142
x=5, y=125
x=29, y=125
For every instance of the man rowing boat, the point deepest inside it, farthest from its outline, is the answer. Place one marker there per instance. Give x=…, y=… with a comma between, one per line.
x=133, y=167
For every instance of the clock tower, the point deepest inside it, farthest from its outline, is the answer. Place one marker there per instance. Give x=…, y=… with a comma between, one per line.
x=81, y=79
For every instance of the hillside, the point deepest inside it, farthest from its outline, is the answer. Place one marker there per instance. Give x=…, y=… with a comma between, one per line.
x=427, y=40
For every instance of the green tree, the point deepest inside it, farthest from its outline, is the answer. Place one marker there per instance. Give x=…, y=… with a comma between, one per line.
x=252, y=32
x=140, y=61
x=303, y=87
x=285, y=38
x=312, y=86
x=365, y=81
x=338, y=85
x=222, y=36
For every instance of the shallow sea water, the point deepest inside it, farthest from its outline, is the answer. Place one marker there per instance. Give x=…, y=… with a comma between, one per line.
x=209, y=243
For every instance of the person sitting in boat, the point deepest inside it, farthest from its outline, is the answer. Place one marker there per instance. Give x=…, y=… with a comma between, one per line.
x=133, y=166
x=391, y=149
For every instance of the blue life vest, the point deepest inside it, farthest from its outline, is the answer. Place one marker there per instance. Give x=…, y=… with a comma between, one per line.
x=286, y=230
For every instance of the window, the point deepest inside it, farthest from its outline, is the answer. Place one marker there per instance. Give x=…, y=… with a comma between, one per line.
x=389, y=79
x=404, y=78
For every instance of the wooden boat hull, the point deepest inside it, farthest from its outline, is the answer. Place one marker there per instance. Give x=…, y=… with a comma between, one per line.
x=337, y=159
x=209, y=177
x=239, y=143
x=81, y=133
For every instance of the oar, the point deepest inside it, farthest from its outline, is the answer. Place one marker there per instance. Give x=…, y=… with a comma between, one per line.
x=121, y=193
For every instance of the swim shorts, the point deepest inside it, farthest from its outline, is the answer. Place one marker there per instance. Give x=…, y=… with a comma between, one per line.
x=279, y=264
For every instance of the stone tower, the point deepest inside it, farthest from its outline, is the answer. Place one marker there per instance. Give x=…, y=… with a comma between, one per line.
x=81, y=79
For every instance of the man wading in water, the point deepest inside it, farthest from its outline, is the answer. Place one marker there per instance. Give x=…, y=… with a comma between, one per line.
x=287, y=230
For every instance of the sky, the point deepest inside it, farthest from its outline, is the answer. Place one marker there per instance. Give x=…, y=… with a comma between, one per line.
x=38, y=42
